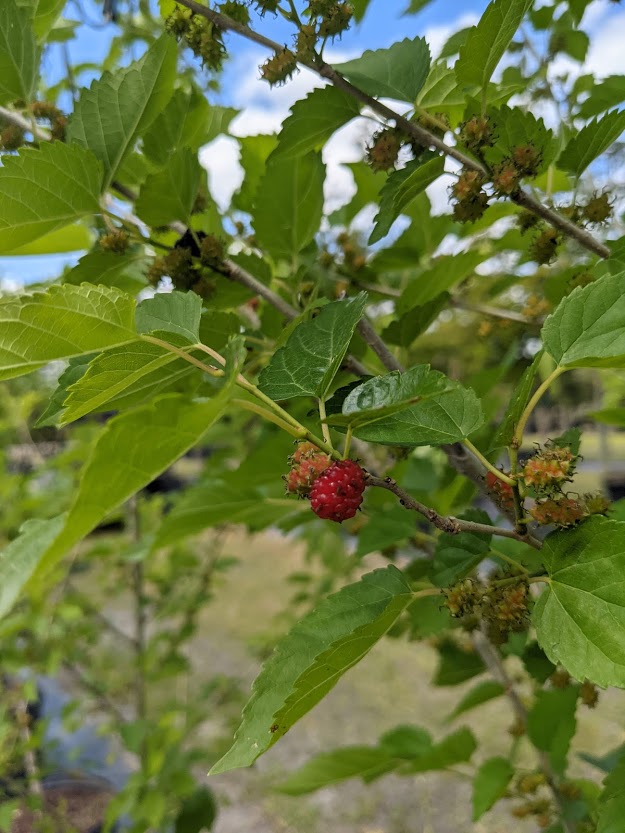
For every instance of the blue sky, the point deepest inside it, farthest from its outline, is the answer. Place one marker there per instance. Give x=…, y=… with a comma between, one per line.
x=263, y=108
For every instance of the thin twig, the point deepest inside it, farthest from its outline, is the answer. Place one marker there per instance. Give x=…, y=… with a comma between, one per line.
x=99, y=695
x=492, y=660
x=367, y=331
x=30, y=761
x=451, y=525
x=423, y=136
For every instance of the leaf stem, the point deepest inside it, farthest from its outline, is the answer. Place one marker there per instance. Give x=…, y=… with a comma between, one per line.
x=325, y=428
x=265, y=414
x=348, y=441
x=511, y=561
x=487, y=464
x=517, y=440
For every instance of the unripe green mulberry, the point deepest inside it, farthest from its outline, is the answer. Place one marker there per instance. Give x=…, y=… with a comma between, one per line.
x=236, y=11
x=11, y=137
x=598, y=209
x=544, y=247
x=527, y=159
x=476, y=133
x=279, y=68
x=336, y=20
x=212, y=251
x=506, y=178
x=115, y=241
x=383, y=151
x=305, y=42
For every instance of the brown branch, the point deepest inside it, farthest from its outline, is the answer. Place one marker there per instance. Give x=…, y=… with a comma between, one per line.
x=367, y=331
x=423, y=136
x=493, y=662
x=495, y=312
x=452, y=526
x=30, y=761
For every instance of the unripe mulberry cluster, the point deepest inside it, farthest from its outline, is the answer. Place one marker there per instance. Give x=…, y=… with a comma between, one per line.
x=502, y=606
x=11, y=137
x=500, y=491
x=203, y=37
x=384, y=149
x=44, y=111
x=548, y=469
x=471, y=200
x=279, y=68
x=476, y=134
x=189, y=265
x=332, y=18
x=335, y=489
x=564, y=511
x=115, y=241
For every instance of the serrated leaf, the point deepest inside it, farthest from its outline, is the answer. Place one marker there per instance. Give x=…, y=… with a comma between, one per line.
x=551, y=724
x=383, y=396
x=445, y=418
x=401, y=188
x=313, y=353
x=19, y=55
x=63, y=322
x=480, y=694
x=608, y=93
x=443, y=273
x=19, y=559
x=168, y=313
x=591, y=142
x=43, y=13
x=518, y=401
x=75, y=369
x=580, y=617
x=313, y=656
x=119, y=465
x=288, y=205
x=515, y=127
x=397, y=72
x=313, y=120
x=612, y=801
x=490, y=784
x=45, y=189
x=117, y=107
x=170, y=193
x=487, y=42
x=587, y=329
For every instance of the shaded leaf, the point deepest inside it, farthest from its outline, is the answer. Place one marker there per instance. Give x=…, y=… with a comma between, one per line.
x=612, y=801
x=169, y=194
x=551, y=724
x=518, y=401
x=167, y=313
x=482, y=693
x=457, y=555
x=456, y=666
x=591, y=142
x=19, y=55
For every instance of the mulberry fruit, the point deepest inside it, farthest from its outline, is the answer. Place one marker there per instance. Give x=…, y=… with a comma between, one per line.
x=337, y=493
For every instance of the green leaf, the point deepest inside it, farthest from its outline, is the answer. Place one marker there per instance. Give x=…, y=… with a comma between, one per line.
x=118, y=107
x=481, y=693
x=457, y=555
x=536, y=662
x=490, y=784
x=608, y=93
x=443, y=273
x=384, y=529
x=580, y=617
x=63, y=322
x=218, y=501
x=382, y=396
x=198, y=812
x=169, y=194
x=45, y=189
x=405, y=329
x=612, y=801
x=19, y=559
x=401, y=188
x=313, y=120
x=289, y=204
x=456, y=748
x=19, y=55
x=397, y=72
x=75, y=370
x=313, y=353
x=139, y=370
x=171, y=312
x=518, y=401
x=587, y=328
x=184, y=123
x=456, y=666
x=445, y=418
x=121, y=271
x=516, y=127
x=313, y=656
x=119, y=465
x=366, y=762
x=44, y=14
x=551, y=724
x=73, y=238
x=488, y=41
x=255, y=151
x=415, y=6
x=591, y=142
x=359, y=7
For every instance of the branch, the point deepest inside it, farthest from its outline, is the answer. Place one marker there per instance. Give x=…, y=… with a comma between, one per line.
x=367, y=331
x=492, y=660
x=30, y=761
x=453, y=526
x=420, y=134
